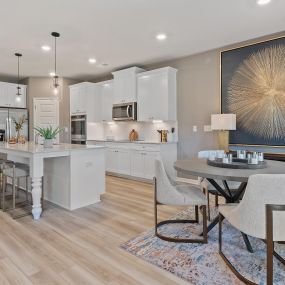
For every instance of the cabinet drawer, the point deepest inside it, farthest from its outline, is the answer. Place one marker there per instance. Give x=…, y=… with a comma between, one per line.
x=118, y=145
x=146, y=147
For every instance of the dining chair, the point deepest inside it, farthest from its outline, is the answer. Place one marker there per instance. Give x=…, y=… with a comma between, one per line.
x=260, y=214
x=209, y=188
x=165, y=193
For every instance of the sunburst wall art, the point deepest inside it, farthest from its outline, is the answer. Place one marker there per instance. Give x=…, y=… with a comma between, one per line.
x=253, y=88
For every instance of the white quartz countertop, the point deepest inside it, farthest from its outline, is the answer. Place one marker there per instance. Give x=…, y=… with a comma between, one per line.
x=31, y=147
x=135, y=142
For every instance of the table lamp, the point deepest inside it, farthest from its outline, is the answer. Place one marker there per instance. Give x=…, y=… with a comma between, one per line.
x=223, y=123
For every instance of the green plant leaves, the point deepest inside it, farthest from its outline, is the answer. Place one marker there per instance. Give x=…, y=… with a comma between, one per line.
x=48, y=132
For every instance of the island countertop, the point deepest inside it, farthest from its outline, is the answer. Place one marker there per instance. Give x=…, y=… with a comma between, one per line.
x=31, y=147
x=73, y=175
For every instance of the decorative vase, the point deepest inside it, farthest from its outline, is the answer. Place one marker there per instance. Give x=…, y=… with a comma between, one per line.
x=48, y=143
x=18, y=135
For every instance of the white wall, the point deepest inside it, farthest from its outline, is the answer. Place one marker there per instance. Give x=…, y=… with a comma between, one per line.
x=121, y=130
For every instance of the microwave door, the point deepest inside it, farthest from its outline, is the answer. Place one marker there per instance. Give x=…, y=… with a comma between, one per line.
x=121, y=112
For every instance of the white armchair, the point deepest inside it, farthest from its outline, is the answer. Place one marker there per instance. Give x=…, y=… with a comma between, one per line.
x=260, y=214
x=165, y=193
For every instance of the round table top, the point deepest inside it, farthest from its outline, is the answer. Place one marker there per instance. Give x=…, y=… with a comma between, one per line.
x=199, y=167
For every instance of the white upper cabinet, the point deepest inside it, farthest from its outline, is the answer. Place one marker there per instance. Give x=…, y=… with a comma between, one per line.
x=106, y=93
x=77, y=102
x=93, y=99
x=125, y=85
x=156, y=91
x=8, y=97
x=85, y=99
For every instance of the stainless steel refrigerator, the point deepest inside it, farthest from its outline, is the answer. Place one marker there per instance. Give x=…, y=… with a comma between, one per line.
x=7, y=126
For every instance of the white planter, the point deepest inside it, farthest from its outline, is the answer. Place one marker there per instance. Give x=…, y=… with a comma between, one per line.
x=48, y=143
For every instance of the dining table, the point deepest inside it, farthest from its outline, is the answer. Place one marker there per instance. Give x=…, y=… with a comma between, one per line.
x=220, y=177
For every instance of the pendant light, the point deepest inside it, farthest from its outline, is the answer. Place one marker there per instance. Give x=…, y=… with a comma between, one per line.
x=55, y=77
x=18, y=94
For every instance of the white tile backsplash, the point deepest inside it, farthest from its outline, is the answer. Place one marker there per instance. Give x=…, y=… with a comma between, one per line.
x=120, y=130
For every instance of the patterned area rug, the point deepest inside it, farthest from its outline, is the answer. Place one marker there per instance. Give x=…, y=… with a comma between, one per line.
x=200, y=264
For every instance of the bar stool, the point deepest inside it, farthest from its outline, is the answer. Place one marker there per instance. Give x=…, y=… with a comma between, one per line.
x=16, y=171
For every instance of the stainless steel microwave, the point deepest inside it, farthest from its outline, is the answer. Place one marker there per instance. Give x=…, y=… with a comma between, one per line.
x=125, y=112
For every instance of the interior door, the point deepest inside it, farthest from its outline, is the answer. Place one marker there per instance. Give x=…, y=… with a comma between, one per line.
x=46, y=113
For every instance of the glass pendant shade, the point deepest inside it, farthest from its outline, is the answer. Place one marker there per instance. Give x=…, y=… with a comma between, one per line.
x=55, y=77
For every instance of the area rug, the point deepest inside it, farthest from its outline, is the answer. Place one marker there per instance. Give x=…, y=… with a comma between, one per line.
x=200, y=264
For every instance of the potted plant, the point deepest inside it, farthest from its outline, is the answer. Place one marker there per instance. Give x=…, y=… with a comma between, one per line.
x=48, y=134
x=19, y=125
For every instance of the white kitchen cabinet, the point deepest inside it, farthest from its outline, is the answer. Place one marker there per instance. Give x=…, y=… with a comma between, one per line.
x=78, y=99
x=137, y=159
x=137, y=165
x=156, y=91
x=125, y=85
x=106, y=94
x=118, y=160
x=85, y=98
x=8, y=97
x=111, y=160
x=143, y=164
x=123, y=161
x=149, y=159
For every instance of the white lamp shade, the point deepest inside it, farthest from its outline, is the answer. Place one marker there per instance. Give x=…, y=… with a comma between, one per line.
x=226, y=122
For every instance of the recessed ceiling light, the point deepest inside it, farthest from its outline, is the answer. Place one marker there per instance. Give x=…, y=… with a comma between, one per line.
x=92, y=60
x=46, y=48
x=51, y=74
x=161, y=37
x=263, y=2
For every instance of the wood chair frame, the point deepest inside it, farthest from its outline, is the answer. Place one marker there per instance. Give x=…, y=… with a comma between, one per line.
x=196, y=220
x=270, y=252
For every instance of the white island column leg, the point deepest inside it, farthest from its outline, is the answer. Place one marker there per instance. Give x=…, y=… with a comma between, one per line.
x=36, y=166
x=37, y=195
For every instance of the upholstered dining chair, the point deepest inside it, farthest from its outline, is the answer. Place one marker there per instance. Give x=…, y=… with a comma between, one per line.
x=165, y=193
x=260, y=214
x=209, y=188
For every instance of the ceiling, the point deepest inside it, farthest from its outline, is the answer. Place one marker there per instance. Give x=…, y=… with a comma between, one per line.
x=122, y=32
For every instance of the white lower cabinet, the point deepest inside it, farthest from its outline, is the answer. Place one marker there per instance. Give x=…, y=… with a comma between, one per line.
x=118, y=161
x=137, y=159
x=110, y=161
x=143, y=164
x=123, y=159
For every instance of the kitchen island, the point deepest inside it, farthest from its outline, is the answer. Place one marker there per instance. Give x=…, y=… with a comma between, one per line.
x=74, y=175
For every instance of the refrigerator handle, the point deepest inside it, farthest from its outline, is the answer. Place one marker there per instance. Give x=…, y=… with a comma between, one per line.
x=10, y=127
x=7, y=130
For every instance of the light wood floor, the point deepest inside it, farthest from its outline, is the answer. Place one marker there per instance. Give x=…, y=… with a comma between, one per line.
x=82, y=246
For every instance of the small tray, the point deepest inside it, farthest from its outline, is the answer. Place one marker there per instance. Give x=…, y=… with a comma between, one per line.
x=237, y=163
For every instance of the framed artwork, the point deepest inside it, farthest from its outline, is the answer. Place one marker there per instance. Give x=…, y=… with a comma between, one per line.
x=253, y=88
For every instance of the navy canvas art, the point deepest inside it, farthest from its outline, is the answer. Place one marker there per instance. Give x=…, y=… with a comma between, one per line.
x=253, y=88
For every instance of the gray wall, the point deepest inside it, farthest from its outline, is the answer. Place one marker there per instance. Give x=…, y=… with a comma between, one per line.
x=42, y=87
